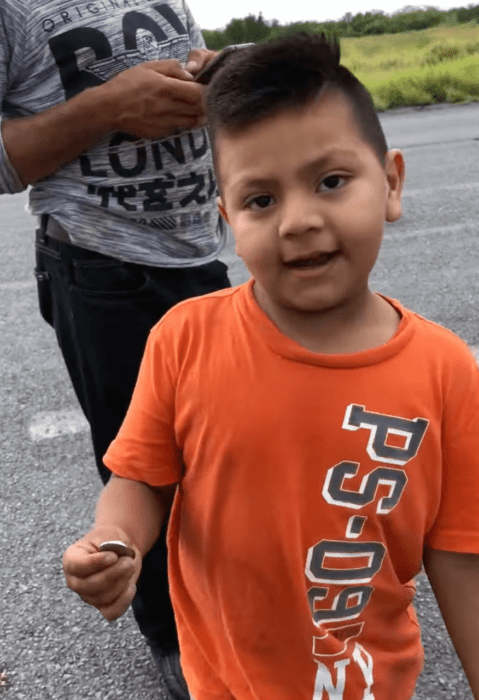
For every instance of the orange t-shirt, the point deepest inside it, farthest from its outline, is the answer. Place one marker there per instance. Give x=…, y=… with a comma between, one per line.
x=308, y=486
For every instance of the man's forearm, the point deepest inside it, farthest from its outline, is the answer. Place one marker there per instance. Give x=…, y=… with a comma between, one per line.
x=39, y=145
x=135, y=509
x=150, y=100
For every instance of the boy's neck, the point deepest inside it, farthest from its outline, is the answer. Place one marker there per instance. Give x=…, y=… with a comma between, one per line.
x=365, y=324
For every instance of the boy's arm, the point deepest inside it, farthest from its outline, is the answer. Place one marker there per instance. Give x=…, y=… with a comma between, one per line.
x=454, y=578
x=129, y=511
x=135, y=508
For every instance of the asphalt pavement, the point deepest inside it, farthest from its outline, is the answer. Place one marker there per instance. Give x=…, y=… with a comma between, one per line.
x=54, y=647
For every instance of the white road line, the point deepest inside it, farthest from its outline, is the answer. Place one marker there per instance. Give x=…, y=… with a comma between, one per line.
x=51, y=424
x=26, y=284
x=459, y=187
x=393, y=233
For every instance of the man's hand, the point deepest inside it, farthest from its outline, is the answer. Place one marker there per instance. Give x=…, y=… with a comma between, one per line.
x=102, y=579
x=154, y=99
x=150, y=100
x=199, y=59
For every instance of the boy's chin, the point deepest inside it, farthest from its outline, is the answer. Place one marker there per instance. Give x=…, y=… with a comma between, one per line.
x=317, y=308
x=298, y=307
x=310, y=308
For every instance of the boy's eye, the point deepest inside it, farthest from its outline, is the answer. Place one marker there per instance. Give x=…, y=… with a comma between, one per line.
x=331, y=182
x=261, y=201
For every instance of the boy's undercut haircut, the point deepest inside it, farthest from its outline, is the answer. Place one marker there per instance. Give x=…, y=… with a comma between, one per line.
x=286, y=74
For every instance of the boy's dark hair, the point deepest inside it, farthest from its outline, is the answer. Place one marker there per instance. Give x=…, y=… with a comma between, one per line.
x=284, y=74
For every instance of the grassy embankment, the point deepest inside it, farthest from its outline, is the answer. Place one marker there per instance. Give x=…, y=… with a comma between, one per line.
x=434, y=65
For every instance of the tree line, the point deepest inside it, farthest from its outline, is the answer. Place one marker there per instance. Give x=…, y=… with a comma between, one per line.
x=255, y=29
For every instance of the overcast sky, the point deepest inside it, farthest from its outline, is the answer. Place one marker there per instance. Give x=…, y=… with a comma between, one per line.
x=216, y=15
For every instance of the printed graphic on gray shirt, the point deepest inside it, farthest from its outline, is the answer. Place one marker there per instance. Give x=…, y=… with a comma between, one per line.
x=148, y=201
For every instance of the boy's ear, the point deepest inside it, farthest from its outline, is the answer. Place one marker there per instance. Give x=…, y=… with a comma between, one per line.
x=395, y=172
x=221, y=209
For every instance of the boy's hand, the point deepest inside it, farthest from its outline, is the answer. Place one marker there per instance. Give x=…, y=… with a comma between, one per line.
x=199, y=59
x=102, y=579
x=454, y=578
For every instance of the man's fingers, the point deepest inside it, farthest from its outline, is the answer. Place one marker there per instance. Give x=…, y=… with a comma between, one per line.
x=198, y=59
x=170, y=68
x=163, y=129
x=193, y=67
x=154, y=99
x=182, y=91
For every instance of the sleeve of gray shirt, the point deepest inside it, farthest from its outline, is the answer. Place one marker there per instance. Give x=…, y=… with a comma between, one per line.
x=12, y=43
x=14, y=24
x=196, y=37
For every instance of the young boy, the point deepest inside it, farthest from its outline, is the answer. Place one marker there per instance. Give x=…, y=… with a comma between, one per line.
x=322, y=440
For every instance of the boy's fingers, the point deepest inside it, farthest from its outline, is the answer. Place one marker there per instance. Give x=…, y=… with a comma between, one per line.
x=82, y=560
x=104, y=588
x=120, y=605
x=104, y=597
x=102, y=579
x=121, y=571
x=114, y=600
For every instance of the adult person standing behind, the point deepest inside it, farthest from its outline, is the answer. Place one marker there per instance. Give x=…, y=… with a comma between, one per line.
x=114, y=147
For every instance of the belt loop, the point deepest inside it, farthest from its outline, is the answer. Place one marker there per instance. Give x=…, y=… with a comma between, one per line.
x=54, y=230
x=42, y=227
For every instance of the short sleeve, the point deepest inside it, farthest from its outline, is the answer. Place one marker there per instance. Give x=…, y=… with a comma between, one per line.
x=145, y=448
x=12, y=43
x=194, y=30
x=456, y=527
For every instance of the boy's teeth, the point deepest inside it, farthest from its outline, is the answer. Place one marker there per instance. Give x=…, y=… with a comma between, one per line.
x=316, y=260
x=312, y=261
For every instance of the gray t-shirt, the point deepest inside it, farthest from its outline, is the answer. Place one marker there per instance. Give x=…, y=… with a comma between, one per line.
x=145, y=201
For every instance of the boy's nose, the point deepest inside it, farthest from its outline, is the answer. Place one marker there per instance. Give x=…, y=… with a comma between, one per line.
x=299, y=215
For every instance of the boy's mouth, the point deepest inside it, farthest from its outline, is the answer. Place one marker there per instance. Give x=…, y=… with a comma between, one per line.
x=315, y=260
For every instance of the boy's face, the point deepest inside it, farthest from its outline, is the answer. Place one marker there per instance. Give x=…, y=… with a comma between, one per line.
x=307, y=198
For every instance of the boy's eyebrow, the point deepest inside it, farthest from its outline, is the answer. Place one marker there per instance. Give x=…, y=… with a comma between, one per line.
x=313, y=165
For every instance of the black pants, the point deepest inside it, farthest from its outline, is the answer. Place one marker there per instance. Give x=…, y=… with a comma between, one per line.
x=102, y=310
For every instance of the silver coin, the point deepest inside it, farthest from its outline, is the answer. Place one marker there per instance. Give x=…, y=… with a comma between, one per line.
x=120, y=548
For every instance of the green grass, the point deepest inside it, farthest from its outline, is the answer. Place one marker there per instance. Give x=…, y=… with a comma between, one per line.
x=417, y=68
